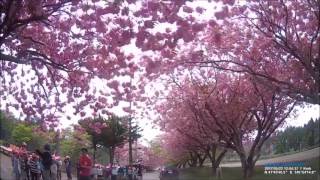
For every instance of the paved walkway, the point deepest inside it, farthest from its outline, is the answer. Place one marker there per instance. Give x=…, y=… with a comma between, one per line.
x=301, y=156
x=5, y=168
x=151, y=176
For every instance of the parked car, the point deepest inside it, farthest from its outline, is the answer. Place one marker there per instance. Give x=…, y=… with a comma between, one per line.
x=169, y=173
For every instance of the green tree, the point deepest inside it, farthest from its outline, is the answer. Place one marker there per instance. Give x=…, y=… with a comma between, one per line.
x=317, y=131
x=7, y=124
x=298, y=138
x=96, y=137
x=72, y=142
x=102, y=155
x=22, y=133
x=309, y=136
x=107, y=134
x=116, y=134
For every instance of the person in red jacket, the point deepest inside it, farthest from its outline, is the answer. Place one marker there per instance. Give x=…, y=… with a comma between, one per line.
x=85, y=164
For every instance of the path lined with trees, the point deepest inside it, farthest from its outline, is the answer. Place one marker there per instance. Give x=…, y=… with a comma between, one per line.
x=230, y=79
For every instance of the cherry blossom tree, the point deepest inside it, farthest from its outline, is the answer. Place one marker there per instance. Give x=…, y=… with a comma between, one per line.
x=150, y=156
x=177, y=150
x=184, y=118
x=154, y=155
x=267, y=44
x=277, y=42
x=235, y=112
x=247, y=115
x=52, y=50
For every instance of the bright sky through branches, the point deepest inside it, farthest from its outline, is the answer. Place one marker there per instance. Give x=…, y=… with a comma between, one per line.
x=113, y=41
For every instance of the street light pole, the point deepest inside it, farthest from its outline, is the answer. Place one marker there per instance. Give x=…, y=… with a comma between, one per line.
x=130, y=129
x=130, y=141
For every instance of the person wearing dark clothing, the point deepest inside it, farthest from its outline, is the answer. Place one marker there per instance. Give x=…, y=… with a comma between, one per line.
x=68, y=166
x=23, y=158
x=34, y=166
x=46, y=160
x=130, y=172
x=139, y=173
x=24, y=166
x=121, y=173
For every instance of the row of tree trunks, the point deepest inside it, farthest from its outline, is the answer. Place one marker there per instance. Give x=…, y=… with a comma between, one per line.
x=201, y=158
x=193, y=161
x=197, y=158
x=215, y=157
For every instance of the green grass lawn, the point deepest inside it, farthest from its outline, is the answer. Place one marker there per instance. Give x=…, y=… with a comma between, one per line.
x=205, y=173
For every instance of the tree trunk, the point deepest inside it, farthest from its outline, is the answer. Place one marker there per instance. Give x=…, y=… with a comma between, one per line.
x=94, y=153
x=201, y=159
x=184, y=164
x=111, y=155
x=214, y=169
x=247, y=166
x=189, y=163
x=216, y=163
x=193, y=160
x=248, y=170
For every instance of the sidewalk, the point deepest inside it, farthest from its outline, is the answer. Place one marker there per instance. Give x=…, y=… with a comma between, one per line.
x=301, y=156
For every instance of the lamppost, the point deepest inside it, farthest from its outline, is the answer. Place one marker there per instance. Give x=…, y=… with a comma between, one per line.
x=130, y=127
x=130, y=139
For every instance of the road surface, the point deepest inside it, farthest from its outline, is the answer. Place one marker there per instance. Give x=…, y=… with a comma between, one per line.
x=5, y=167
x=301, y=156
x=151, y=176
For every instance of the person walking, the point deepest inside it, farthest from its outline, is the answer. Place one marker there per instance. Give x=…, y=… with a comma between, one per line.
x=23, y=158
x=59, y=166
x=121, y=173
x=46, y=161
x=68, y=166
x=114, y=172
x=34, y=165
x=107, y=172
x=139, y=171
x=94, y=173
x=16, y=165
x=85, y=165
x=54, y=169
x=130, y=172
x=135, y=173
